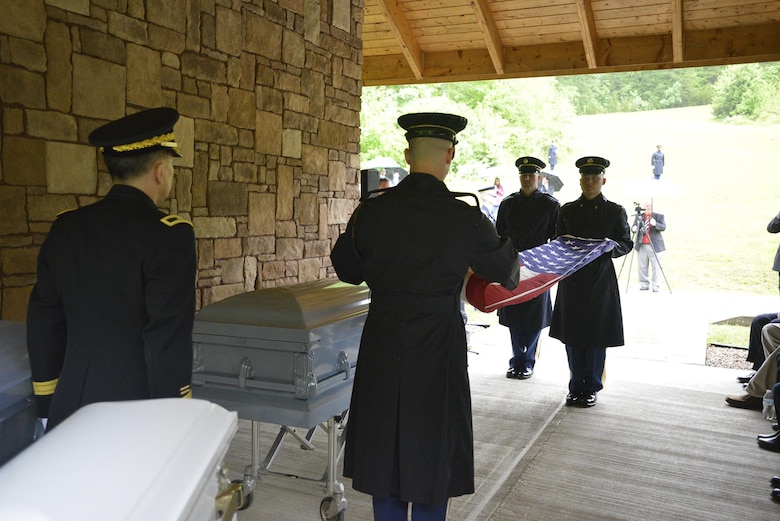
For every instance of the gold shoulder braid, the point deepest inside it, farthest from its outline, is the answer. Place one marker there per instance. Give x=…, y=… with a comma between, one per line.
x=173, y=220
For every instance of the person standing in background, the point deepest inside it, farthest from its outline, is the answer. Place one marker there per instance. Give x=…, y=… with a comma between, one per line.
x=657, y=161
x=587, y=316
x=552, y=155
x=529, y=218
x=649, y=243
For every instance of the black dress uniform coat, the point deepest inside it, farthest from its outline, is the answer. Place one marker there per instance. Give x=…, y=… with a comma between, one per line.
x=110, y=317
x=587, y=310
x=529, y=221
x=410, y=433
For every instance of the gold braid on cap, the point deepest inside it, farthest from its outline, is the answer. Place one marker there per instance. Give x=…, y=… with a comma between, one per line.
x=164, y=140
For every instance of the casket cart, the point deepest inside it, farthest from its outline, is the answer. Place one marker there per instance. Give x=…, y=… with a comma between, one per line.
x=17, y=408
x=284, y=356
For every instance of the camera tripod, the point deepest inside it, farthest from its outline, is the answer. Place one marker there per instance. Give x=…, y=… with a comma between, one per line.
x=640, y=228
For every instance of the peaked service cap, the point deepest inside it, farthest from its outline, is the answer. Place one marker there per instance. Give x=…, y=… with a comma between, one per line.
x=529, y=165
x=432, y=124
x=140, y=133
x=592, y=165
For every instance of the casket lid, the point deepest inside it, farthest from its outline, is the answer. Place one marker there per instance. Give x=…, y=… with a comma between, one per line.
x=304, y=306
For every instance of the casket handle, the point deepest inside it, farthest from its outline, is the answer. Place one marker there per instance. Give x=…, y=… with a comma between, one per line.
x=343, y=364
x=246, y=371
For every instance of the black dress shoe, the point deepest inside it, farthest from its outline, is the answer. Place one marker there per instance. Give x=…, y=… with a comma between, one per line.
x=769, y=436
x=525, y=374
x=587, y=400
x=772, y=443
x=775, y=481
x=776, y=494
x=746, y=378
x=512, y=373
x=572, y=399
x=776, y=426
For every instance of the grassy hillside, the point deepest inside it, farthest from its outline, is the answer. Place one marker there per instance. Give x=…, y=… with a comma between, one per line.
x=724, y=189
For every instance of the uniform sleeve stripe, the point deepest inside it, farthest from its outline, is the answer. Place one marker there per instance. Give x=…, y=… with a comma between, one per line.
x=45, y=388
x=186, y=391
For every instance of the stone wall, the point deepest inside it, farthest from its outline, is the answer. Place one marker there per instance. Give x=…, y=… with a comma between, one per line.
x=269, y=94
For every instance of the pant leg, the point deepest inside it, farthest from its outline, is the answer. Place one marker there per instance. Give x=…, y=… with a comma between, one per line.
x=577, y=374
x=390, y=509
x=524, y=344
x=530, y=352
x=422, y=512
x=770, y=338
x=776, y=396
x=755, y=349
x=655, y=262
x=595, y=360
x=642, y=261
x=765, y=378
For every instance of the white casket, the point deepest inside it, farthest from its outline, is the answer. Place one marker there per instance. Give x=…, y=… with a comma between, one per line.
x=137, y=460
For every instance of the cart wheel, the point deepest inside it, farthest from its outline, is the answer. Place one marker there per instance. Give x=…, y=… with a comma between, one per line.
x=247, y=500
x=324, y=506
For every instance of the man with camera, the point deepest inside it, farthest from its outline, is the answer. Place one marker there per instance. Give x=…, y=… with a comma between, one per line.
x=648, y=243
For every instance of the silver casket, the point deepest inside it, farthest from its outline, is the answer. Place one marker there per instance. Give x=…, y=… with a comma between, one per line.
x=17, y=408
x=282, y=355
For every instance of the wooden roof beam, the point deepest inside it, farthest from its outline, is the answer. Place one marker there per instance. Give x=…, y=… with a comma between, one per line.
x=403, y=33
x=487, y=25
x=589, y=36
x=677, y=31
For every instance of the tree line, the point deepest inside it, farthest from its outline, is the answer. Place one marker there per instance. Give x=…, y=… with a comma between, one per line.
x=527, y=114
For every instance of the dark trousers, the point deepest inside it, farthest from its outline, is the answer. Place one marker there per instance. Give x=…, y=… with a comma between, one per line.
x=524, y=344
x=587, y=367
x=393, y=509
x=755, y=349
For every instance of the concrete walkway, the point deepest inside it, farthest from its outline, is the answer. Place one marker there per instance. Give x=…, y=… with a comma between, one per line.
x=661, y=444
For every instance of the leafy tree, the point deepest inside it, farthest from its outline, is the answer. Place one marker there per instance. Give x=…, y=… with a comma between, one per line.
x=507, y=119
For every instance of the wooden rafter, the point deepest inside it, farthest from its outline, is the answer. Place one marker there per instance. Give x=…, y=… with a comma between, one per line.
x=589, y=36
x=677, y=31
x=403, y=33
x=492, y=39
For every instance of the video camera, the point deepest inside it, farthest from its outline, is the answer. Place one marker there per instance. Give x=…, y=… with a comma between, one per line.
x=638, y=208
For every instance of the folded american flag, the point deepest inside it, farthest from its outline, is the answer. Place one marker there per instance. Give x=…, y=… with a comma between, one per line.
x=540, y=269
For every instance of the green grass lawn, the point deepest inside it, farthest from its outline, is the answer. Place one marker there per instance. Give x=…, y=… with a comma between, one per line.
x=724, y=188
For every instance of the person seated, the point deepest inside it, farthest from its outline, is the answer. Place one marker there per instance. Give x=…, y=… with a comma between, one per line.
x=766, y=375
x=755, y=349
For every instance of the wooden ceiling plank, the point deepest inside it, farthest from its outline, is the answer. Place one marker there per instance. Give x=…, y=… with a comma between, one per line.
x=589, y=36
x=400, y=27
x=678, y=45
x=703, y=48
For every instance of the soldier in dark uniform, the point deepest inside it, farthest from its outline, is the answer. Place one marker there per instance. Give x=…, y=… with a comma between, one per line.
x=657, y=161
x=110, y=317
x=409, y=437
x=587, y=315
x=529, y=218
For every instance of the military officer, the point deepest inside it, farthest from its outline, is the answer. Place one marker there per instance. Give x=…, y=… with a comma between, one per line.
x=587, y=316
x=110, y=317
x=409, y=438
x=529, y=218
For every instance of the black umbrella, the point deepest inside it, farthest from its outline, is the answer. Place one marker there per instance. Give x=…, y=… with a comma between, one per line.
x=553, y=181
